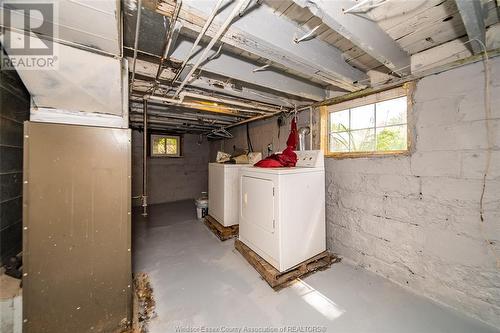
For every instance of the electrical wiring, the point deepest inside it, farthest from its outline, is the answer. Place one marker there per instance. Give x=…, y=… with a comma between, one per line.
x=489, y=138
x=249, y=142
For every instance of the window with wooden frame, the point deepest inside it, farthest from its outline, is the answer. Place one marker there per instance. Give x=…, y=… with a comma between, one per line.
x=165, y=145
x=376, y=124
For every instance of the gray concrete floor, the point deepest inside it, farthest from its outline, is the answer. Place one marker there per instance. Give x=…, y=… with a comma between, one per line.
x=200, y=282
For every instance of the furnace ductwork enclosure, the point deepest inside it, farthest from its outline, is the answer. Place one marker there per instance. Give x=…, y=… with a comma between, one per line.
x=77, y=261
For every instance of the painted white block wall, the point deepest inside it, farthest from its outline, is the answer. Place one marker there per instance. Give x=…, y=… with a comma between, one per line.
x=415, y=220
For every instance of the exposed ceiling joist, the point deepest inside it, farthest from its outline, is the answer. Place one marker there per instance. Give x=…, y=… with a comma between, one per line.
x=229, y=65
x=219, y=85
x=196, y=106
x=237, y=90
x=144, y=90
x=262, y=33
x=473, y=19
x=361, y=31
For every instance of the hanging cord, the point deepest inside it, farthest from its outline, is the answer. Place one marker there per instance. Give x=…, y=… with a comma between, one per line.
x=487, y=113
x=280, y=122
x=249, y=142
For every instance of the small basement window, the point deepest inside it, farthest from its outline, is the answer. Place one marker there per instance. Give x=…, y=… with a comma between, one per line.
x=165, y=145
x=375, y=124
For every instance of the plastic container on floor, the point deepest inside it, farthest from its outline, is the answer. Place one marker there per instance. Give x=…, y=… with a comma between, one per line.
x=202, y=206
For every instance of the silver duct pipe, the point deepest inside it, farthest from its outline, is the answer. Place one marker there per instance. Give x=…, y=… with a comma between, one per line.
x=144, y=159
x=136, y=42
x=303, y=131
x=222, y=30
x=198, y=39
x=168, y=42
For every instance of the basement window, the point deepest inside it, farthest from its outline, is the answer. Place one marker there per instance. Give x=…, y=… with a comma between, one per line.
x=371, y=125
x=165, y=145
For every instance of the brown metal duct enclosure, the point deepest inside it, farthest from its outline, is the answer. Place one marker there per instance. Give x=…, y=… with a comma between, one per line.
x=77, y=259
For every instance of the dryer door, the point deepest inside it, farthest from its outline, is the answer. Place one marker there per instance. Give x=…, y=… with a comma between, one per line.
x=257, y=219
x=258, y=202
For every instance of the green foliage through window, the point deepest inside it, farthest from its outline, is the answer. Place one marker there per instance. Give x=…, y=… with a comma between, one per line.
x=374, y=127
x=162, y=145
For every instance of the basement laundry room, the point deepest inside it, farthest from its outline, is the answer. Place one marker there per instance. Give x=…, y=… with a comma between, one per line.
x=250, y=166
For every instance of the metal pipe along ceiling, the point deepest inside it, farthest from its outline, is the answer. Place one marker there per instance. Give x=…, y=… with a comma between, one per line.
x=144, y=159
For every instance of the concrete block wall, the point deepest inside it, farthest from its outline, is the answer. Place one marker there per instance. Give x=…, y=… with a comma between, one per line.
x=14, y=110
x=263, y=133
x=415, y=219
x=172, y=179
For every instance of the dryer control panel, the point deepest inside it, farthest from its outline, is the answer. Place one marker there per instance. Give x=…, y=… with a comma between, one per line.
x=310, y=159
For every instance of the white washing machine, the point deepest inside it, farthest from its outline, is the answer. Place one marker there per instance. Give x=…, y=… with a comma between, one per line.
x=282, y=210
x=224, y=191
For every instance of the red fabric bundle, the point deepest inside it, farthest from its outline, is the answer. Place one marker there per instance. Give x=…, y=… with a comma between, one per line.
x=287, y=158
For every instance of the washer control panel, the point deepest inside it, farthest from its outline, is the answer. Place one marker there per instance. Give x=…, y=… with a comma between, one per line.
x=310, y=159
